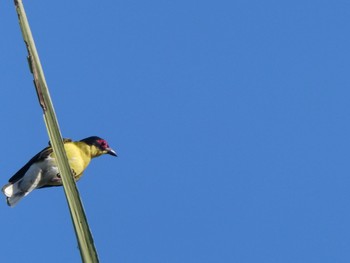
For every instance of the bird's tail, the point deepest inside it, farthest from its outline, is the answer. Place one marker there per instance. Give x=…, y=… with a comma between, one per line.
x=13, y=193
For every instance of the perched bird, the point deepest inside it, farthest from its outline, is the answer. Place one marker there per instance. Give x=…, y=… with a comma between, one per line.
x=42, y=171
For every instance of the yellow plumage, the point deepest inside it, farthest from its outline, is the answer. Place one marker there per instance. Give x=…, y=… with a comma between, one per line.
x=42, y=171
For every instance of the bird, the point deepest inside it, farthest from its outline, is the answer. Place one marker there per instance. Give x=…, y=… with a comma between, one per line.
x=42, y=171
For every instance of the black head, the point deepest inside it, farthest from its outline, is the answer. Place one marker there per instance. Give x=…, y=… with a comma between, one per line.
x=100, y=143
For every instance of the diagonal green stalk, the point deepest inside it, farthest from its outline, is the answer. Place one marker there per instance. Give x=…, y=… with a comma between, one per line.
x=81, y=227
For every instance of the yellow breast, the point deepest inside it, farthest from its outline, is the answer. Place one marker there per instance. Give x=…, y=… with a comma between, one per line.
x=78, y=157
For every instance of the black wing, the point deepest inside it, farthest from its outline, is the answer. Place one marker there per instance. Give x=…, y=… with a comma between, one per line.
x=38, y=157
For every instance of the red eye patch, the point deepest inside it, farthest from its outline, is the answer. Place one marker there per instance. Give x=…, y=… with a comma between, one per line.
x=103, y=143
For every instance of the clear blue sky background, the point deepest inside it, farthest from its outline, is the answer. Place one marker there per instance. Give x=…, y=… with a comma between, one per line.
x=231, y=120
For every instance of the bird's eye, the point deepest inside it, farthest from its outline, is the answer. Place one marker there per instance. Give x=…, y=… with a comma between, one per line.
x=102, y=144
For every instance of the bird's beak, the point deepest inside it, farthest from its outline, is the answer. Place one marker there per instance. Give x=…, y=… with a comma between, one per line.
x=111, y=151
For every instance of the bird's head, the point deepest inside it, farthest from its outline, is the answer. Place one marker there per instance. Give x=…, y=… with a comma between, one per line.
x=99, y=145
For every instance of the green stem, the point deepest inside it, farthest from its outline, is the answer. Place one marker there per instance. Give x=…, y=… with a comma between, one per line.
x=81, y=227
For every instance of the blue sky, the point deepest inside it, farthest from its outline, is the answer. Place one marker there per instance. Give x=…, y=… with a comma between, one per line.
x=230, y=119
